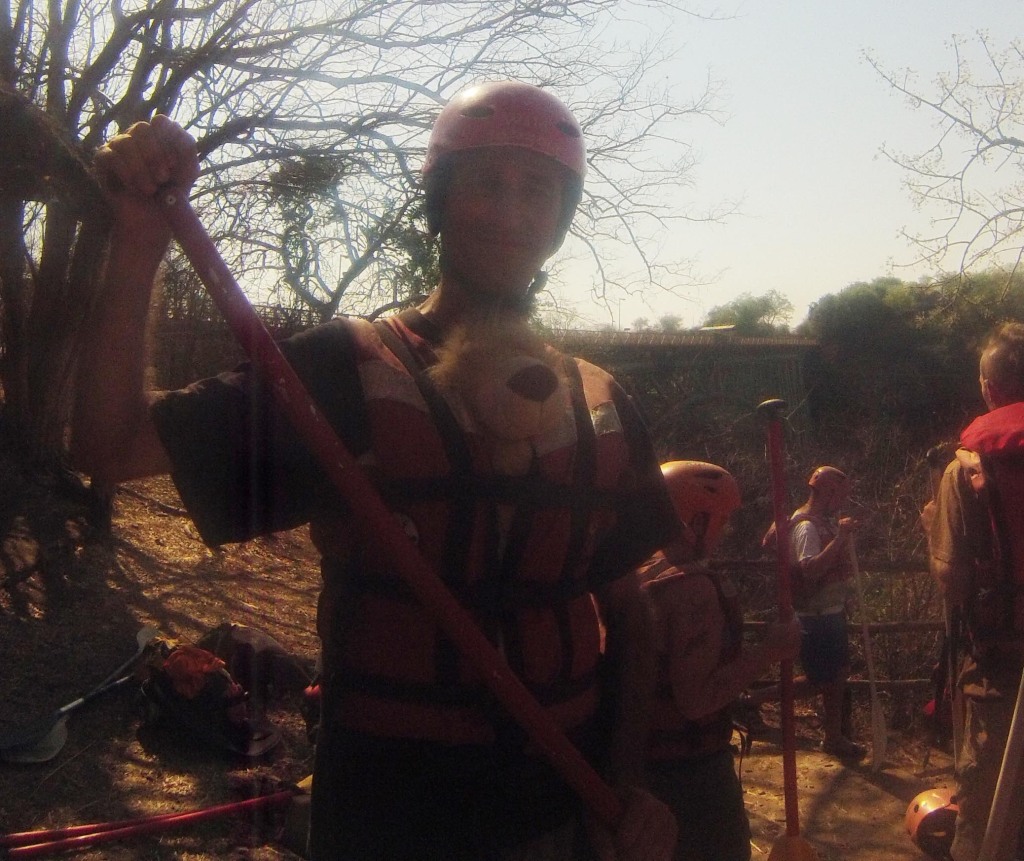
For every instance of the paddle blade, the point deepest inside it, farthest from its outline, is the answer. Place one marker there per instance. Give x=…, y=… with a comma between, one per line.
x=28, y=734
x=41, y=748
x=792, y=847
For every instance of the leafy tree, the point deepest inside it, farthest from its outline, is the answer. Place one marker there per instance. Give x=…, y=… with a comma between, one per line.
x=905, y=355
x=670, y=323
x=971, y=304
x=879, y=357
x=971, y=177
x=311, y=118
x=767, y=314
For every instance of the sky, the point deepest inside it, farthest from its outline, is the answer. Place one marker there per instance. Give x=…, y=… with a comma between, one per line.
x=807, y=116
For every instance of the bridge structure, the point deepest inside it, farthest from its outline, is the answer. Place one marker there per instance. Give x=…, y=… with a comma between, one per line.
x=686, y=383
x=683, y=379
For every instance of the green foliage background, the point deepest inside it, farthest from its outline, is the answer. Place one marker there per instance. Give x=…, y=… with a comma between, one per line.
x=895, y=374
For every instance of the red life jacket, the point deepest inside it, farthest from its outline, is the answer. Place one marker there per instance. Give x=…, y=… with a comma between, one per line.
x=995, y=608
x=515, y=551
x=673, y=736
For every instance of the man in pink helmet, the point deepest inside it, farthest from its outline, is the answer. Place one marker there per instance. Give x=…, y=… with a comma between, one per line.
x=535, y=528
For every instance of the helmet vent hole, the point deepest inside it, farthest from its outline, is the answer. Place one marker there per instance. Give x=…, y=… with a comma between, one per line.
x=568, y=129
x=478, y=112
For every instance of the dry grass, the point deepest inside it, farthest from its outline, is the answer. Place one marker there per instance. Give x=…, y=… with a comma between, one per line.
x=59, y=635
x=59, y=638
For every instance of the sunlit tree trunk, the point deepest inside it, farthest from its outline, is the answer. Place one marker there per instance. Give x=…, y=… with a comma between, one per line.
x=49, y=259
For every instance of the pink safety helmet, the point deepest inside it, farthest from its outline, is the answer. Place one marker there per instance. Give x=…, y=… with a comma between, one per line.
x=504, y=114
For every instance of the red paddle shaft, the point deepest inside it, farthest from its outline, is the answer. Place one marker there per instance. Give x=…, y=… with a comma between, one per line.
x=772, y=410
x=374, y=516
x=36, y=844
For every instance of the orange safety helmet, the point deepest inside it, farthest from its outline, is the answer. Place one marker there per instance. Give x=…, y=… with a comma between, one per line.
x=704, y=495
x=931, y=822
x=503, y=114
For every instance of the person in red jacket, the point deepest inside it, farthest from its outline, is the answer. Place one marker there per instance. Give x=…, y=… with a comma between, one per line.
x=525, y=477
x=976, y=543
x=703, y=668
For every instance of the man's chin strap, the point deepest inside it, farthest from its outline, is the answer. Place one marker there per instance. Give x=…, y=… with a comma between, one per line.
x=523, y=304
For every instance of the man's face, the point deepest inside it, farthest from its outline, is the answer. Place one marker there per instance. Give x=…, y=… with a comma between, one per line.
x=500, y=220
x=836, y=498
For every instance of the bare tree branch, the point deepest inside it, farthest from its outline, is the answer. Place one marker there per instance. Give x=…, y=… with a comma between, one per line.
x=313, y=117
x=972, y=177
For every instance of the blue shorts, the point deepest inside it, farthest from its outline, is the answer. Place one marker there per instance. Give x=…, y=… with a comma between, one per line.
x=825, y=648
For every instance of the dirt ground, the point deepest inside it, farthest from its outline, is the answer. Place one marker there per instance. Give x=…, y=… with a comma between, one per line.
x=59, y=636
x=846, y=812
